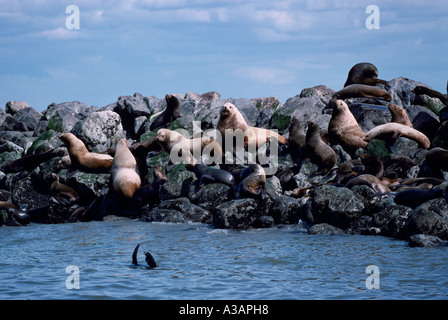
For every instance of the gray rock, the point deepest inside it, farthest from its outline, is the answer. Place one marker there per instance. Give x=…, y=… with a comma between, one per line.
x=336, y=206
x=286, y=210
x=99, y=131
x=425, y=240
x=237, y=214
x=190, y=212
x=25, y=196
x=209, y=196
x=325, y=229
x=177, y=184
x=430, y=218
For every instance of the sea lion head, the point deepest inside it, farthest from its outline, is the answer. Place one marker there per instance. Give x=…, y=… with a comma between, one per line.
x=227, y=110
x=163, y=135
x=159, y=175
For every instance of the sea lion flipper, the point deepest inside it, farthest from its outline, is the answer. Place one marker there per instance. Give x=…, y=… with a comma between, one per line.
x=134, y=255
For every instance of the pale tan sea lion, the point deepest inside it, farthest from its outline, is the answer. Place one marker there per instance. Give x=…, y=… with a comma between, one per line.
x=392, y=131
x=125, y=178
x=343, y=128
x=230, y=118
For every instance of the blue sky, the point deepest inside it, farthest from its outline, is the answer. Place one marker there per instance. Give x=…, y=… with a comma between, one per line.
x=241, y=49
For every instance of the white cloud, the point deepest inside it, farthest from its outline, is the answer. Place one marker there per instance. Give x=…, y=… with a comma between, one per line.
x=265, y=75
x=59, y=34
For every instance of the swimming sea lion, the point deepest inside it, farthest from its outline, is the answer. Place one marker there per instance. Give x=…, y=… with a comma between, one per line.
x=171, y=113
x=414, y=197
x=148, y=258
x=125, y=178
x=230, y=118
x=174, y=143
x=317, y=150
x=431, y=93
x=254, y=185
x=212, y=175
x=391, y=131
x=362, y=91
x=343, y=129
x=370, y=181
x=83, y=160
x=399, y=115
x=363, y=73
x=30, y=162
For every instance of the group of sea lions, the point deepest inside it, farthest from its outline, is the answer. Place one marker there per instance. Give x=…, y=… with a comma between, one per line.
x=127, y=163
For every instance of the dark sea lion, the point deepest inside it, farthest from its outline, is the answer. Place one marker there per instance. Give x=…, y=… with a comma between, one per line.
x=30, y=162
x=171, y=113
x=414, y=197
x=370, y=181
x=362, y=91
x=372, y=165
x=83, y=160
x=148, y=258
x=363, y=73
x=212, y=175
x=437, y=158
x=399, y=115
x=346, y=171
x=254, y=184
x=317, y=150
x=343, y=129
x=398, y=167
x=124, y=175
x=431, y=93
x=391, y=131
x=149, y=193
x=296, y=141
x=16, y=216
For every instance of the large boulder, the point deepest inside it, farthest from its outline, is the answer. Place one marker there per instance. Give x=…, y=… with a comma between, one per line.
x=99, y=131
x=430, y=218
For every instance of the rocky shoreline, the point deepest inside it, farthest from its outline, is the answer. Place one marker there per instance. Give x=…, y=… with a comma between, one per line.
x=324, y=208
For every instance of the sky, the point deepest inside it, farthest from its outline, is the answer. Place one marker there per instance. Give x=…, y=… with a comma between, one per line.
x=239, y=48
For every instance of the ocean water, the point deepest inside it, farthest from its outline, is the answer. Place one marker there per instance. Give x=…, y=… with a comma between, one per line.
x=200, y=262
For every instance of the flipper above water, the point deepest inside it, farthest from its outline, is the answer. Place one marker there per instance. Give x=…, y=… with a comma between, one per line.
x=149, y=258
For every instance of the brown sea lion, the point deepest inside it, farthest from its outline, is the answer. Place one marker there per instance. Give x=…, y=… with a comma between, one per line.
x=363, y=73
x=362, y=91
x=431, y=93
x=230, y=118
x=62, y=192
x=343, y=129
x=370, y=181
x=391, y=131
x=125, y=178
x=399, y=115
x=254, y=185
x=317, y=150
x=83, y=160
x=171, y=113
